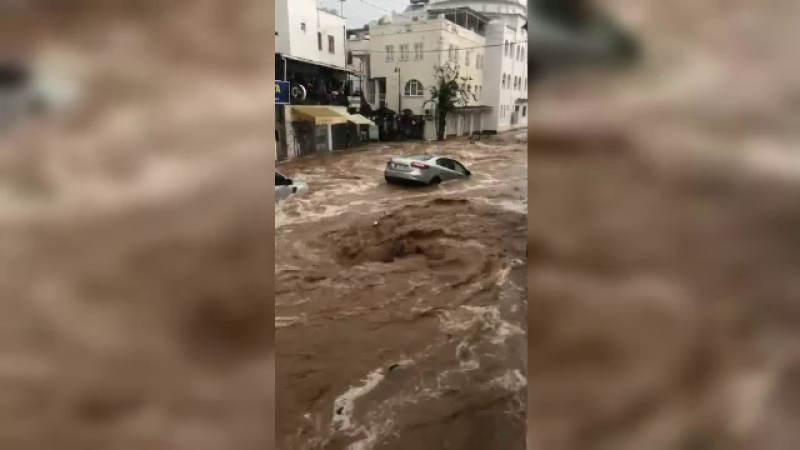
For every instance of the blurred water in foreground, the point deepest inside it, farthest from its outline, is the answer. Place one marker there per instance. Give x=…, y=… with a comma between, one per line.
x=133, y=233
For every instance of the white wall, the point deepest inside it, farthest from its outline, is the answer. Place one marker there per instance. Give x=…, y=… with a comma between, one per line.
x=330, y=25
x=293, y=40
x=282, y=27
x=435, y=34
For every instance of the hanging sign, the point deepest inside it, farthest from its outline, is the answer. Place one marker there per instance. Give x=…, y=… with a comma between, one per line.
x=282, y=92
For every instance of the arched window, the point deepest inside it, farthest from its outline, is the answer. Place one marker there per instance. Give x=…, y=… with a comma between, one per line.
x=414, y=89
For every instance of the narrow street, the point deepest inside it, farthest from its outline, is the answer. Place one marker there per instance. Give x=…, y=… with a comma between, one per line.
x=400, y=313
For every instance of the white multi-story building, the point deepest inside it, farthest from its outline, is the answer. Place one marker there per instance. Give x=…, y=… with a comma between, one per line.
x=305, y=32
x=405, y=57
x=506, y=73
x=405, y=50
x=310, y=55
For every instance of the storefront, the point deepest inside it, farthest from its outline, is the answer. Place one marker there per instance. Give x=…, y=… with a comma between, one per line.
x=312, y=129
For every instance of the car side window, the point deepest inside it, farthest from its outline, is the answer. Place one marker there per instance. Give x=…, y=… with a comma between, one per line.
x=447, y=164
x=459, y=168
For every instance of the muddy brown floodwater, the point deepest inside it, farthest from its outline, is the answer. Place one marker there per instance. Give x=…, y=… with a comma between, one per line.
x=400, y=313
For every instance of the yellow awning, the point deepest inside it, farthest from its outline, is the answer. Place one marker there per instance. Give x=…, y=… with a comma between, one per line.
x=358, y=119
x=320, y=115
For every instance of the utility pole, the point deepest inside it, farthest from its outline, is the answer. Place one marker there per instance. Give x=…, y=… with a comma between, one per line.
x=399, y=91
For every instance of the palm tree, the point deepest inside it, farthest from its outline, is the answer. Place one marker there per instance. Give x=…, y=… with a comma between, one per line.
x=448, y=93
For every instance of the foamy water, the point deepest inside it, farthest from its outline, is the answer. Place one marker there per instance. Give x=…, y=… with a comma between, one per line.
x=334, y=266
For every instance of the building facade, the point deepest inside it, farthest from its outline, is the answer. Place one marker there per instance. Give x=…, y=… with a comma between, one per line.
x=505, y=65
x=405, y=57
x=310, y=56
x=507, y=73
x=363, y=87
x=398, y=56
x=307, y=32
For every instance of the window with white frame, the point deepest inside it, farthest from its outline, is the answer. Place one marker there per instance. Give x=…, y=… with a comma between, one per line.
x=457, y=54
x=331, y=44
x=414, y=89
x=404, y=52
x=466, y=59
x=389, y=49
x=504, y=81
x=508, y=46
x=303, y=27
x=418, y=51
x=451, y=52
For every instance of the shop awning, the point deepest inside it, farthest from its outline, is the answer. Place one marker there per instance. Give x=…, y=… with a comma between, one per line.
x=358, y=119
x=320, y=115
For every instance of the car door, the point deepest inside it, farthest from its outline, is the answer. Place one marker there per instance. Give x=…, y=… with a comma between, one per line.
x=460, y=169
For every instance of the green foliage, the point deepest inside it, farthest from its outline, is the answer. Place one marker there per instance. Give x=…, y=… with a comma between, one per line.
x=448, y=93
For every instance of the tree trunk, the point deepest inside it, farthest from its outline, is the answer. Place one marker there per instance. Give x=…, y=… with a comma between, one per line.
x=441, y=123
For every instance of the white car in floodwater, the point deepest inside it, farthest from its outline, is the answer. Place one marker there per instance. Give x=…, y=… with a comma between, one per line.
x=286, y=187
